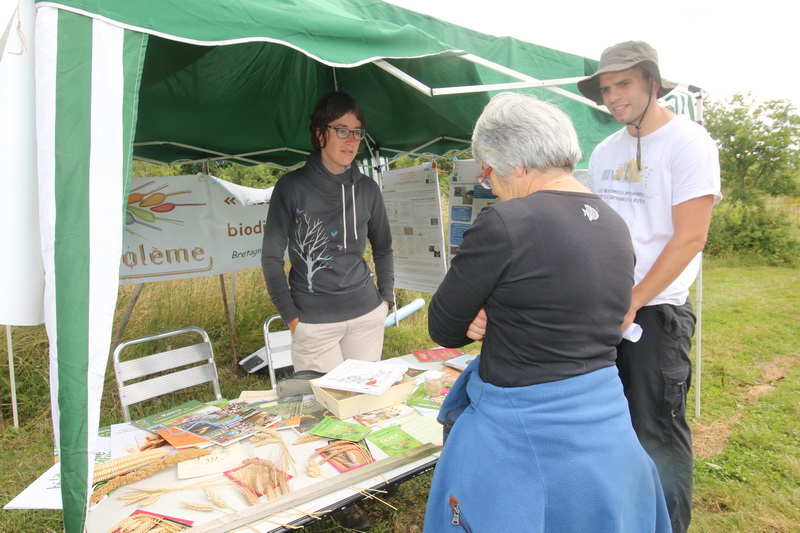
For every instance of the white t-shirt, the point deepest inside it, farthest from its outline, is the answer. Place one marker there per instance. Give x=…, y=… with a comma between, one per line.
x=680, y=162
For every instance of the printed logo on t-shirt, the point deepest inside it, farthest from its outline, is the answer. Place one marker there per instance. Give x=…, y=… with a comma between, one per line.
x=590, y=212
x=627, y=184
x=629, y=171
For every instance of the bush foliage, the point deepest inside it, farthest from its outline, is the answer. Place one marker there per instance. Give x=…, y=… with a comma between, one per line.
x=752, y=230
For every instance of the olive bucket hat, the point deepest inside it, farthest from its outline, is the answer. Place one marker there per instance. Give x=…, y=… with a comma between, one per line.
x=624, y=56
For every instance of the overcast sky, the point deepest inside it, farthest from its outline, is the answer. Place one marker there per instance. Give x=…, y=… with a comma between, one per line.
x=724, y=47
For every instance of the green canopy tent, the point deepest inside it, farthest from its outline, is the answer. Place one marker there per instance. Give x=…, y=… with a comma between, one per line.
x=243, y=92
x=174, y=81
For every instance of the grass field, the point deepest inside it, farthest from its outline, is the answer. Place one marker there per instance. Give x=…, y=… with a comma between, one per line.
x=747, y=439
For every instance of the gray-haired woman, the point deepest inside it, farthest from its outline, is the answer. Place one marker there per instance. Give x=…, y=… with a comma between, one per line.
x=544, y=440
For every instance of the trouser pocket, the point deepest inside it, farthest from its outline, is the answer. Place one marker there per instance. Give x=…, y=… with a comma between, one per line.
x=676, y=389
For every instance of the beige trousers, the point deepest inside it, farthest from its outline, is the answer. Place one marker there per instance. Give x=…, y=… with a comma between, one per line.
x=322, y=347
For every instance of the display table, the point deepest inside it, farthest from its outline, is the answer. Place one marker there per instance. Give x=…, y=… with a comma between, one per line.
x=310, y=498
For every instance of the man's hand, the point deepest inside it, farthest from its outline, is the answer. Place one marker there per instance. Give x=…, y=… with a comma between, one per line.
x=477, y=329
x=293, y=324
x=629, y=316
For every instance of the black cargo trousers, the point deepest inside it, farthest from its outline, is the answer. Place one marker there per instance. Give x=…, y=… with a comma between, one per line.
x=656, y=373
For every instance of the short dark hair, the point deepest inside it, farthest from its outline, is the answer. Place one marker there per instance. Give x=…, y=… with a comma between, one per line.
x=328, y=108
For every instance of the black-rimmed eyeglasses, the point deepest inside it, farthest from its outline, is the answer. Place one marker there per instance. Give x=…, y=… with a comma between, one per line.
x=483, y=178
x=344, y=133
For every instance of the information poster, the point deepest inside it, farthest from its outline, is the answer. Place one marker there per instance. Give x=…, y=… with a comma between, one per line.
x=414, y=208
x=467, y=198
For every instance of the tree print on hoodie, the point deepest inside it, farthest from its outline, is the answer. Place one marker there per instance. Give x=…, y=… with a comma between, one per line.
x=310, y=241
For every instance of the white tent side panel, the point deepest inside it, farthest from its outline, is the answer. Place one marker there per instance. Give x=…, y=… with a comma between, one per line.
x=21, y=271
x=87, y=79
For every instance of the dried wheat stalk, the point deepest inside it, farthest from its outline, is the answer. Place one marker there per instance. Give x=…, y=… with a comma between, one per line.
x=269, y=436
x=370, y=493
x=142, y=523
x=136, y=524
x=250, y=497
x=199, y=507
x=313, y=469
x=345, y=454
x=265, y=436
x=306, y=439
x=215, y=498
x=145, y=497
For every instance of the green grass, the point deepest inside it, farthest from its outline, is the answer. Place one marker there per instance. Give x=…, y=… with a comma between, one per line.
x=749, y=317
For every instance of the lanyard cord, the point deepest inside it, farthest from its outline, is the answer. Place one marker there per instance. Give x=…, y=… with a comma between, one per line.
x=639, y=127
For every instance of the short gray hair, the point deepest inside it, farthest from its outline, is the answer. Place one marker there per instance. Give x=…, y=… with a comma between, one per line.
x=520, y=131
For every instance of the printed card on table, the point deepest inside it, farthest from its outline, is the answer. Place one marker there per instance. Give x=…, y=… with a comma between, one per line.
x=436, y=354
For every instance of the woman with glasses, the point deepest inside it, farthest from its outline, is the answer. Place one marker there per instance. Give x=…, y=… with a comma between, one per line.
x=325, y=213
x=540, y=438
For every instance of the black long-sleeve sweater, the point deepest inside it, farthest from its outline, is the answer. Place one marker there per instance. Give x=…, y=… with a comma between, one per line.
x=554, y=272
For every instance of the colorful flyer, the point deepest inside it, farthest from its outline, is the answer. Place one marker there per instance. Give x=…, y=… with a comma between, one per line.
x=334, y=428
x=393, y=440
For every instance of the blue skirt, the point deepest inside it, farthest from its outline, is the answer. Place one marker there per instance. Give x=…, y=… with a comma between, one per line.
x=554, y=457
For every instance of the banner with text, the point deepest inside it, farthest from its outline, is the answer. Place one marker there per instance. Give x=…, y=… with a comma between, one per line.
x=189, y=226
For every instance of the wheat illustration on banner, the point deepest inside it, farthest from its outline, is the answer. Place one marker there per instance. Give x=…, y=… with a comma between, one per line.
x=142, y=206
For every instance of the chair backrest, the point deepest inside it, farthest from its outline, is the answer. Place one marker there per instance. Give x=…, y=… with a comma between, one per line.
x=278, y=347
x=195, y=364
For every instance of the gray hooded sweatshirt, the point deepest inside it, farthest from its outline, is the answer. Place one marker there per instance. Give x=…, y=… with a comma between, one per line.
x=325, y=220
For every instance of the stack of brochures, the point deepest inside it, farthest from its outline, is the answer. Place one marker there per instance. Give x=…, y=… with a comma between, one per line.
x=198, y=424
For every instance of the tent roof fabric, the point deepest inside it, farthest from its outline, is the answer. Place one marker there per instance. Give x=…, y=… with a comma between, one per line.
x=308, y=26
x=238, y=79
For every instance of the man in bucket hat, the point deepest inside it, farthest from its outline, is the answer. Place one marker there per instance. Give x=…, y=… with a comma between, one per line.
x=661, y=173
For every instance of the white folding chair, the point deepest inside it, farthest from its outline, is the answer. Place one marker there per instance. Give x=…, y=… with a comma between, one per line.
x=278, y=346
x=193, y=365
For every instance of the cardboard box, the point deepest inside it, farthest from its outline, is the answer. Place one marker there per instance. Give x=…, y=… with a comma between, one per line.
x=348, y=404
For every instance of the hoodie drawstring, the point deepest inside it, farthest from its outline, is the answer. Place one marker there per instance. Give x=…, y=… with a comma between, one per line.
x=344, y=219
x=355, y=222
x=344, y=214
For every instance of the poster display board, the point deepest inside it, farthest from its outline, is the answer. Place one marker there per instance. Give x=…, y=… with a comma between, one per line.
x=188, y=226
x=467, y=198
x=414, y=207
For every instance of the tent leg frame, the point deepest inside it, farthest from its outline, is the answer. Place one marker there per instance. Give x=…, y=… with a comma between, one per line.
x=229, y=319
x=127, y=317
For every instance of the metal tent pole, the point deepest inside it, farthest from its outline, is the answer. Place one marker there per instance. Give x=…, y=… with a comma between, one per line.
x=699, y=285
x=127, y=316
x=229, y=319
x=12, y=378
x=699, y=341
